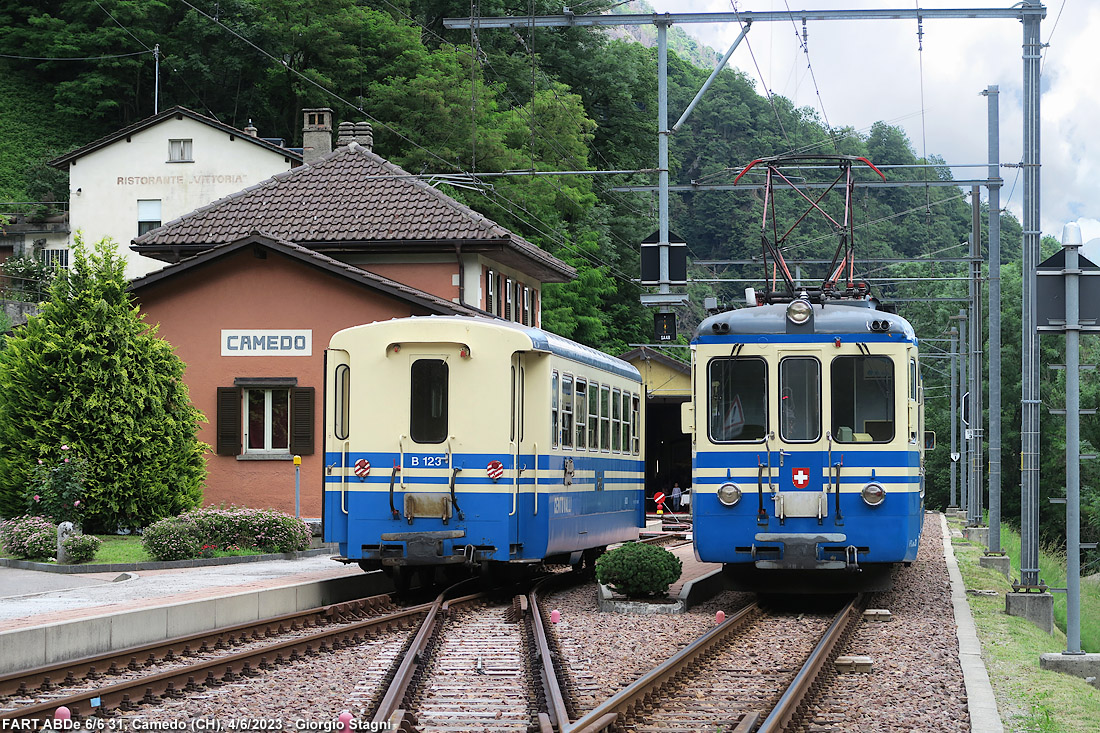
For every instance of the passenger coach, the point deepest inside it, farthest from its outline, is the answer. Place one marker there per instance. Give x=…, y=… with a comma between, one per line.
x=466, y=441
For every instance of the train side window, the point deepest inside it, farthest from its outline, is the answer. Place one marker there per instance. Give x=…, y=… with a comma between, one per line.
x=554, y=409
x=594, y=417
x=567, y=411
x=913, y=379
x=605, y=418
x=862, y=399
x=635, y=415
x=799, y=398
x=616, y=421
x=737, y=408
x=626, y=422
x=582, y=413
x=428, y=423
x=341, y=408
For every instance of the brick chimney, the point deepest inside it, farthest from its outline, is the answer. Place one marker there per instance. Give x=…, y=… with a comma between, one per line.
x=360, y=132
x=316, y=133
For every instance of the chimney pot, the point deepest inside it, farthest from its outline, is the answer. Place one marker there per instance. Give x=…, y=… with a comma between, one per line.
x=316, y=133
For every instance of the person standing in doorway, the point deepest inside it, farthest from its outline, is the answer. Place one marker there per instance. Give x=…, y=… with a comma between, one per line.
x=676, y=494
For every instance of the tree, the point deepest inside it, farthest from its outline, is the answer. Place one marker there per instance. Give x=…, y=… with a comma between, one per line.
x=89, y=374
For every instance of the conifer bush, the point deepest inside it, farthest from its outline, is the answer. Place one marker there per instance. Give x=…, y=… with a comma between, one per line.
x=638, y=570
x=87, y=372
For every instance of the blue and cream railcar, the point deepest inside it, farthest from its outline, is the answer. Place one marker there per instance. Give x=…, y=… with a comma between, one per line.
x=454, y=440
x=808, y=438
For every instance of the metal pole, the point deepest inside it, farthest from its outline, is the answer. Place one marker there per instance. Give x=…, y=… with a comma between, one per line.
x=156, y=83
x=1071, y=240
x=994, y=187
x=662, y=151
x=954, y=421
x=964, y=383
x=974, y=481
x=297, y=486
x=1029, y=428
x=713, y=75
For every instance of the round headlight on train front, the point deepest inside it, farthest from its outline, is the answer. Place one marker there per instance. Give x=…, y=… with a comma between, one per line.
x=873, y=494
x=798, y=312
x=729, y=494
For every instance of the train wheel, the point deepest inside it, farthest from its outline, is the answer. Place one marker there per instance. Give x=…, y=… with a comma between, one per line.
x=402, y=577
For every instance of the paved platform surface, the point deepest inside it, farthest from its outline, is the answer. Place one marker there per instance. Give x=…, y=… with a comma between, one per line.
x=30, y=598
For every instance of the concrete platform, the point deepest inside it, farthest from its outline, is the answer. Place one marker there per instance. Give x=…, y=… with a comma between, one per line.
x=1000, y=563
x=93, y=615
x=1038, y=608
x=698, y=582
x=1078, y=665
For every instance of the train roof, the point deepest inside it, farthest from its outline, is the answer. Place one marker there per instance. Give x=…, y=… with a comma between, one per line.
x=829, y=319
x=515, y=336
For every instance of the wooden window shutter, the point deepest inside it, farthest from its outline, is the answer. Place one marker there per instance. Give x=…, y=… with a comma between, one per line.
x=229, y=421
x=301, y=420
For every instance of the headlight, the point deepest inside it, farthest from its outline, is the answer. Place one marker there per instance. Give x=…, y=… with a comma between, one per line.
x=873, y=494
x=729, y=494
x=798, y=312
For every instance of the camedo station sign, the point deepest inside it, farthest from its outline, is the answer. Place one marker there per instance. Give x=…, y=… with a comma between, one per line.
x=267, y=342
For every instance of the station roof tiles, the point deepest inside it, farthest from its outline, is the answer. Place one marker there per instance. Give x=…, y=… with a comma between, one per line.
x=318, y=260
x=351, y=201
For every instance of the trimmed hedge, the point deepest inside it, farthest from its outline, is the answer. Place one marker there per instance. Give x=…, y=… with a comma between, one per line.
x=638, y=570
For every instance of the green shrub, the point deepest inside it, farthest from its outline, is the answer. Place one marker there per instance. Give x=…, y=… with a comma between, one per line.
x=29, y=537
x=637, y=570
x=203, y=532
x=81, y=547
x=57, y=489
x=173, y=538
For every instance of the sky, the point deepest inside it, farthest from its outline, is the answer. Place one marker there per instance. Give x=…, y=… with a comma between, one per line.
x=864, y=71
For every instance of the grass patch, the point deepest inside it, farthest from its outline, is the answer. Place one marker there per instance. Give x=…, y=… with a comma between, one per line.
x=122, y=549
x=1029, y=698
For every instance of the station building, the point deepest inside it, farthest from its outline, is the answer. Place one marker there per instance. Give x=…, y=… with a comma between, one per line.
x=257, y=282
x=155, y=170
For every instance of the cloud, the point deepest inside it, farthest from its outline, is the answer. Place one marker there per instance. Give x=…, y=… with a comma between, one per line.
x=867, y=70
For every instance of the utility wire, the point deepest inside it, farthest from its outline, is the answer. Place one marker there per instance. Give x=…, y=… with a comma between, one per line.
x=74, y=58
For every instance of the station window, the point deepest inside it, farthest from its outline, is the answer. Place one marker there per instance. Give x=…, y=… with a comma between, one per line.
x=581, y=413
x=428, y=413
x=179, y=151
x=148, y=214
x=737, y=400
x=265, y=418
x=799, y=399
x=862, y=399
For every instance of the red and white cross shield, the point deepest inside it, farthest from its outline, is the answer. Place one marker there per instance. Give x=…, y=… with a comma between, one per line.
x=800, y=477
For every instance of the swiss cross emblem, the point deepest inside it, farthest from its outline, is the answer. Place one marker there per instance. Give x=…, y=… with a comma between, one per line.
x=801, y=477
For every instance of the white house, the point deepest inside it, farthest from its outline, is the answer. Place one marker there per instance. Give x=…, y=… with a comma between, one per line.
x=156, y=170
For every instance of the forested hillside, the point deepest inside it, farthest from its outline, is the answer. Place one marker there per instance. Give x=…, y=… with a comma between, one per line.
x=549, y=99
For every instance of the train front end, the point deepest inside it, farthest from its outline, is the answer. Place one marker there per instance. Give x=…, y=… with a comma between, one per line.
x=808, y=440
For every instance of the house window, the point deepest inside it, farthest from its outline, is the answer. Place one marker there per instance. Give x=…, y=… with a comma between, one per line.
x=57, y=258
x=265, y=418
x=179, y=151
x=508, y=299
x=490, y=290
x=148, y=211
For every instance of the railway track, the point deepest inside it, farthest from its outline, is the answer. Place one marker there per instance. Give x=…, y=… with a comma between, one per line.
x=83, y=685
x=733, y=678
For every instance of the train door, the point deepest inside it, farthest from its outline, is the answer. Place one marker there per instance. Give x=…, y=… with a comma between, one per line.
x=337, y=445
x=801, y=463
x=523, y=465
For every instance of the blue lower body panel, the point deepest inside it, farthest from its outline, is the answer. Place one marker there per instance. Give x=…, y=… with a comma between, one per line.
x=889, y=533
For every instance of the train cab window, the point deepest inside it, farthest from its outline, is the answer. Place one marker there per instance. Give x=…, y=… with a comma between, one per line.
x=567, y=411
x=737, y=407
x=913, y=379
x=428, y=414
x=581, y=413
x=799, y=399
x=635, y=415
x=862, y=399
x=342, y=407
x=594, y=417
x=616, y=421
x=605, y=418
x=554, y=409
